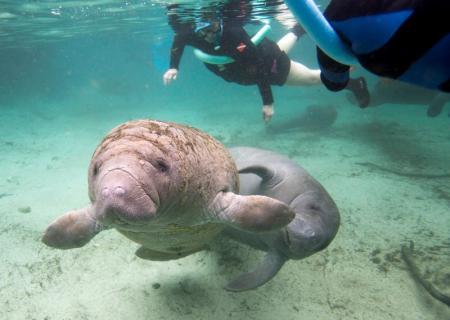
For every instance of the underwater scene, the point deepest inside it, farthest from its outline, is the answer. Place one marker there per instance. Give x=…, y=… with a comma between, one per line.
x=232, y=197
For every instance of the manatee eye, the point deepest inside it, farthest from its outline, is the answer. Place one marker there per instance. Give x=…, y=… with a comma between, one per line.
x=95, y=170
x=162, y=165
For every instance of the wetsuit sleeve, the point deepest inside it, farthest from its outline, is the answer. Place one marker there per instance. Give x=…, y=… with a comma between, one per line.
x=176, y=52
x=266, y=93
x=334, y=75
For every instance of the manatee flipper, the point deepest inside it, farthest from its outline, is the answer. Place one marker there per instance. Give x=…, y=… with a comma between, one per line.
x=270, y=178
x=262, y=171
x=72, y=230
x=251, y=213
x=269, y=267
x=149, y=254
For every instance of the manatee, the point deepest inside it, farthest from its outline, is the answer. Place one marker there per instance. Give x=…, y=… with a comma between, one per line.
x=316, y=219
x=314, y=118
x=170, y=188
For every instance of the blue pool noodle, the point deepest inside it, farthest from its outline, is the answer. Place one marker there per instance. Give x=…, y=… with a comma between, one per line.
x=320, y=30
x=213, y=59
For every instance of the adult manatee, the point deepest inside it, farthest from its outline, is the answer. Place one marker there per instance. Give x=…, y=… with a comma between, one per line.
x=169, y=187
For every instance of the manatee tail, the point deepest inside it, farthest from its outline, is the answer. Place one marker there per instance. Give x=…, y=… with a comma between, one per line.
x=270, y=266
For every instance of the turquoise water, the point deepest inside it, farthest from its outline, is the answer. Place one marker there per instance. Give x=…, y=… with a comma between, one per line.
x=71, y=71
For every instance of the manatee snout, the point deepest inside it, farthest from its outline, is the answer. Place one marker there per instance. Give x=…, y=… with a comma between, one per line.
x=121, y=199
x=308, y=234
x=301, y=242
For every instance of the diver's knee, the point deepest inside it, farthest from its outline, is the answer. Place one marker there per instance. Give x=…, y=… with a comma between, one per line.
x=333, y=86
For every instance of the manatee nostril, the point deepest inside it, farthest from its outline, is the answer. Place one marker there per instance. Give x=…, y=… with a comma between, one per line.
x=116, y=192
x=105, y=192
x=122, y=201
x=119, y=191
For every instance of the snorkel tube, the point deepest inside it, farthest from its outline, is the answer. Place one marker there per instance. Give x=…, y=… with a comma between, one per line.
x=320, y=30
x=212, y=59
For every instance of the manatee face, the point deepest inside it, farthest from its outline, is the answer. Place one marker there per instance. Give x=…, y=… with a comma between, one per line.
x=130, y=186
x=314, y=226
x=301, y=239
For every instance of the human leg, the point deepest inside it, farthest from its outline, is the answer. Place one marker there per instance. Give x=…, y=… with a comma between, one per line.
x=287, y=42
x=300, y=75
x=358, y=86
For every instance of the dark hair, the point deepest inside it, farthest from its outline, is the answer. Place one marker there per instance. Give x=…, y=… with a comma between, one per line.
x=175, y=21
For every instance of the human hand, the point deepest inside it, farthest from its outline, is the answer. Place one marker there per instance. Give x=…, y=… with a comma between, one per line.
x=169, y=76
x=267, y=111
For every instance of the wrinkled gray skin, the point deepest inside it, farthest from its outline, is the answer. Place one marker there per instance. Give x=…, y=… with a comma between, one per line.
x=316, y=219
x=168, y=187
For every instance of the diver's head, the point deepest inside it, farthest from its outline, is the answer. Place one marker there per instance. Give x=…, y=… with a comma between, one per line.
x=209, y=30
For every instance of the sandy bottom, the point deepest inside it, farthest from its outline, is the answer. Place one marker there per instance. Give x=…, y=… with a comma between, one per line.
x=366, y=160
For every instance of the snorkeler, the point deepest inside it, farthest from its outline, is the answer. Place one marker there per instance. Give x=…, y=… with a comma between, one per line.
x=388, y=91
x=264, y=65
x=407, y=40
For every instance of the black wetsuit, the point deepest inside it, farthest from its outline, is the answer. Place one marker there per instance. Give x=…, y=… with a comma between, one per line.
x=263, y=65
x=408, y=40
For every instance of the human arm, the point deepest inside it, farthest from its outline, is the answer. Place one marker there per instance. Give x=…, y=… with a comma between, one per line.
x=267, y=112
x=176, y=52
x=266, y=94
x=237, y=44
x=170, y=75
